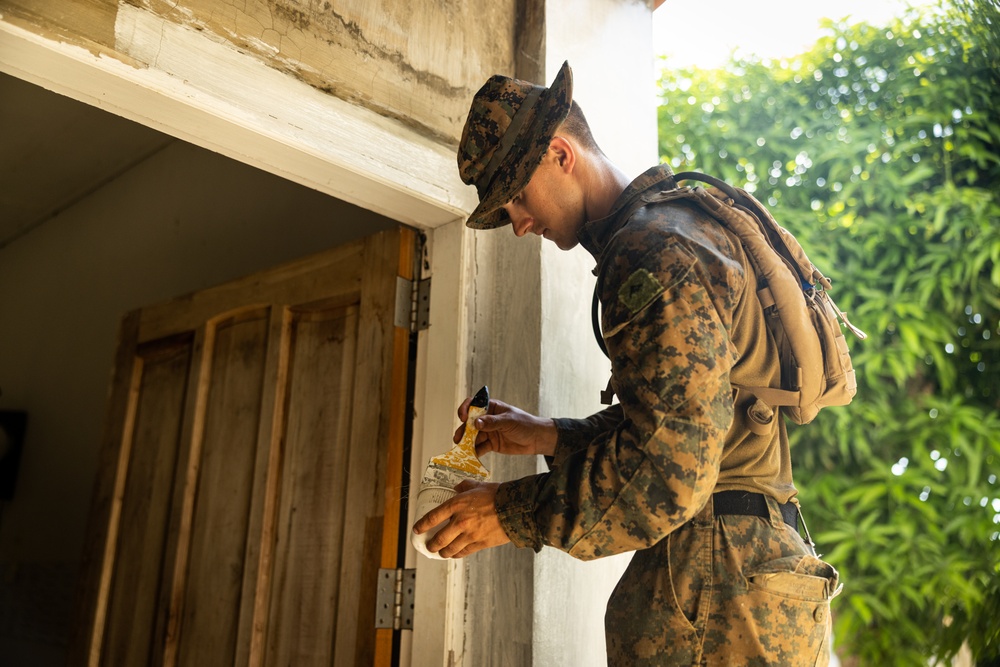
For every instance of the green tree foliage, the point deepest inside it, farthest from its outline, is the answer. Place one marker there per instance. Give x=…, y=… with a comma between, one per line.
x=880, y=150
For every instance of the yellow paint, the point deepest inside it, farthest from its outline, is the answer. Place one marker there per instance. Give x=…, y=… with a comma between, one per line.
x=462, y=457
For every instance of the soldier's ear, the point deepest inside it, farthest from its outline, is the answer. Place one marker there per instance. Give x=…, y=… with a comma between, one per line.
x=563, y=152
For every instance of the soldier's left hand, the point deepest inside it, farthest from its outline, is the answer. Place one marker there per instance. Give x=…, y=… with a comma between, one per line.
x=473, y=523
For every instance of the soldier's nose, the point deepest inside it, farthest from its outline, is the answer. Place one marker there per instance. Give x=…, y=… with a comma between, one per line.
x=521, y=228
x=519, y=222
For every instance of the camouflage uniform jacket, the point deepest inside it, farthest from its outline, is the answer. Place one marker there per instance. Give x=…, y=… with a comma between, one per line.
x=682, y=326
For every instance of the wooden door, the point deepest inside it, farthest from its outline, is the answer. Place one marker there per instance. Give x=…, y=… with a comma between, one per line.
x=250, y=480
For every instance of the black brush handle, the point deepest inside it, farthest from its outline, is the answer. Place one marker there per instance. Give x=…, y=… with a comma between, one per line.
x=481, y=399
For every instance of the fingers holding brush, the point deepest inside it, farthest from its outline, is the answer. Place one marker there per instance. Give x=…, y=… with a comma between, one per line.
x=509, y=430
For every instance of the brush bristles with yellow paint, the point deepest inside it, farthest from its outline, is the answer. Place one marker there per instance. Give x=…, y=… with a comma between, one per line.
x=462, y=457
x=445, y=472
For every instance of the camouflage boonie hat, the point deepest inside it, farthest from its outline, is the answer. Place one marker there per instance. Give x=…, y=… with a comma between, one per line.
x=508, y=130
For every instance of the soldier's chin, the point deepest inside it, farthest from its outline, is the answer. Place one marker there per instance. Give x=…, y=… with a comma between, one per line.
x=564, y=244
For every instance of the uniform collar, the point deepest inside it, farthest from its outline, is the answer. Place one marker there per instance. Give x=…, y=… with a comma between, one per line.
x=595, y=234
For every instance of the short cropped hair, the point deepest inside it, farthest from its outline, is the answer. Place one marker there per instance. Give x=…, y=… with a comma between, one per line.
x=576, y=126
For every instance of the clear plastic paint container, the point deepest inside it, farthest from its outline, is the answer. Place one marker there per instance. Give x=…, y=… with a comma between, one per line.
x=428, y=498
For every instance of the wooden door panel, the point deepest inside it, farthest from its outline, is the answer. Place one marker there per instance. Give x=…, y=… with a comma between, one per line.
x=225, y=481
x=305, y=584
x=254, y=438
x=149, y=455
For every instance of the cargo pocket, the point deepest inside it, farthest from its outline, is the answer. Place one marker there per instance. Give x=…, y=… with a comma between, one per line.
x=803, y=576
x=789, y=603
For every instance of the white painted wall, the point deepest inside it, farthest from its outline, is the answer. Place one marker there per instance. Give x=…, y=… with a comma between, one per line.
x=608, y=43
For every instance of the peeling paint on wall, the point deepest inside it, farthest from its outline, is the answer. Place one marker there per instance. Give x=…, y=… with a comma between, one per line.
x=419, y=62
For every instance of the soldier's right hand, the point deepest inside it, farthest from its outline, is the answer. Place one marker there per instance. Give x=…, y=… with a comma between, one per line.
x=506, y=429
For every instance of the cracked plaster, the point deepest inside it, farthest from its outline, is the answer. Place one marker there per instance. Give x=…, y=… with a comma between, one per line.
x=418, y=62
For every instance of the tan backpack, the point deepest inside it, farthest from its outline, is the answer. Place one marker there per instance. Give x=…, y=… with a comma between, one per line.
x=816, y=369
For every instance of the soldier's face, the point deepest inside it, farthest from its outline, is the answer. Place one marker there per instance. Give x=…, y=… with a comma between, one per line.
x=549, y=206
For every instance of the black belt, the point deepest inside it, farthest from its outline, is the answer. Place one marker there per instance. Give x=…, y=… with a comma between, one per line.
x=751, y=504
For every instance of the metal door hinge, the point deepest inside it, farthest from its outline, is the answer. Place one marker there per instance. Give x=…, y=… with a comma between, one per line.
x=413, y=304
x=394, y=602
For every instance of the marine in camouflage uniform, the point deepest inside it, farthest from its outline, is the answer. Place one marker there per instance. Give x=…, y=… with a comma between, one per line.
x=675, y=471
x=682, y=326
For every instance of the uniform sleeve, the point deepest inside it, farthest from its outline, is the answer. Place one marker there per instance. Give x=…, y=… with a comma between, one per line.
x=667, y=307
x=577, y=434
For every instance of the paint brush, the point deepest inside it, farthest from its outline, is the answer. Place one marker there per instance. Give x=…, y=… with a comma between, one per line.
x=462, y=457
x=445, y=472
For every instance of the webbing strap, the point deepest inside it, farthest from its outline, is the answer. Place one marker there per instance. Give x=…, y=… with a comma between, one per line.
x=711, y=180
x=773, y=397
x=765, y=297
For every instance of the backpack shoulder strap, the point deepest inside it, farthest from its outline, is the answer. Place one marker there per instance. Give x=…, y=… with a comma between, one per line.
x=711, y=180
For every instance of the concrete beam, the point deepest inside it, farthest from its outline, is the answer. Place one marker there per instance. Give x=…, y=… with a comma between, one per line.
x=250, y=112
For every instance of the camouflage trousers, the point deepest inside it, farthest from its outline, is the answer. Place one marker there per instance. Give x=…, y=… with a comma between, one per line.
x=723, y=590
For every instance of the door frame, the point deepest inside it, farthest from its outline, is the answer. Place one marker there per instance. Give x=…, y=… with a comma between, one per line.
x=441, y=383
x=424, y=190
